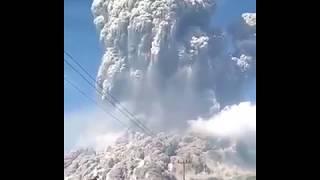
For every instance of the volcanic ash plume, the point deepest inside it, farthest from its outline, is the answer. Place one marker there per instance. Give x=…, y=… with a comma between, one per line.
x=163, y=58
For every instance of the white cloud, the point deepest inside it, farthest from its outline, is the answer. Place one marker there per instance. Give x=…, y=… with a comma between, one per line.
x=232, y=121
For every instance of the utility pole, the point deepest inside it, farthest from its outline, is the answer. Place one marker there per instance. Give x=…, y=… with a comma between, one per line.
x=184, y=162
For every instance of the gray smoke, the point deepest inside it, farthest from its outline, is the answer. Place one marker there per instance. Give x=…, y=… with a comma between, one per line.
x=163, y=58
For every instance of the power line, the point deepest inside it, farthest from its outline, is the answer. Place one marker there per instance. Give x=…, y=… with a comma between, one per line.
x=122, y=108
x=98, y=91
x=112, y=97
x=141, y=126
x=92, y=100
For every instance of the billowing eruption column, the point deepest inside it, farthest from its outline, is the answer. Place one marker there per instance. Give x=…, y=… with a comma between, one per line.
x=163, y=58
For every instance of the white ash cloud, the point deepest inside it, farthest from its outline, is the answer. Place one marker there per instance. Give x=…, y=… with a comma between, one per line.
x=250, y=18
x=164, y=59
x=138, y=156
x=236, y=123
x=232, y=121
x=243, y=62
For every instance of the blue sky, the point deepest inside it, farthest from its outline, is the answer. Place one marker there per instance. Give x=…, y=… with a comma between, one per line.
x=230, y=10
x=81, y=40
